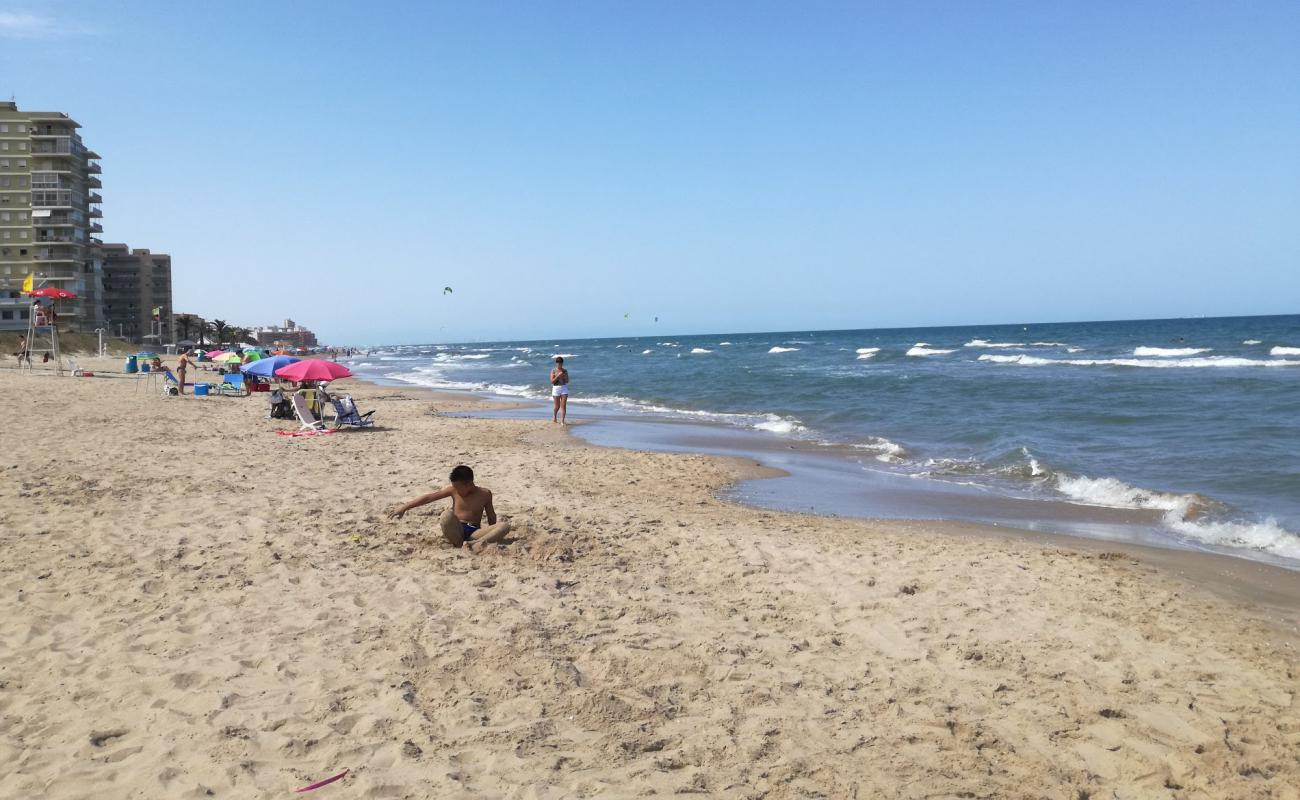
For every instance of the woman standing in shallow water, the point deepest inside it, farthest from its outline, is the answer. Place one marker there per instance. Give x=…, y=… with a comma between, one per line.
x=560, y=391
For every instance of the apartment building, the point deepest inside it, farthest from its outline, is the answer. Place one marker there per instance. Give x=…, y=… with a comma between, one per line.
x=49, y=215
x=138, y=294
x=290, y=334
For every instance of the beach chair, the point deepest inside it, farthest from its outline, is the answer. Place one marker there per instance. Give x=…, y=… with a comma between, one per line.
x=233, y=384
x=171, y=387
x=303, y=412
x=346, y=413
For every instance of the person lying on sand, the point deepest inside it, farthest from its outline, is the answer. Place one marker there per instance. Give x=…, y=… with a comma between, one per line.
x=462, y=524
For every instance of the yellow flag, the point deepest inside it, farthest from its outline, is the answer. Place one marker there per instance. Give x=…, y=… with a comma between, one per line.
x=27, y=284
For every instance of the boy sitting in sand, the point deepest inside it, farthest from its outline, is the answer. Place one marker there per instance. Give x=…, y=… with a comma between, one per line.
x=462, y=524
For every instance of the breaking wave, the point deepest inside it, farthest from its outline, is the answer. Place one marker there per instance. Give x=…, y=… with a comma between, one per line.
x=1187, y=514
x=783, y=350
x=1170, y=351
x=1284, y=351
x=921, y=349
x=1167, y=363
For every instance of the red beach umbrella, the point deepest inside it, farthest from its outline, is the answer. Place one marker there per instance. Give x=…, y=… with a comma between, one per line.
x=313, y=369
x=52, y=292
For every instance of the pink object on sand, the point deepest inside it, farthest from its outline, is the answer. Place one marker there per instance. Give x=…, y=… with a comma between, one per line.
x=319, y=784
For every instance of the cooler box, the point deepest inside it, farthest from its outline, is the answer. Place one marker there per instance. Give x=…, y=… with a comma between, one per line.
x=200, y=390
x=131, y=366
x=144, y=366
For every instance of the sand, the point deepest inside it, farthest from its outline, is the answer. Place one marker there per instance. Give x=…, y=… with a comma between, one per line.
x=194, y=606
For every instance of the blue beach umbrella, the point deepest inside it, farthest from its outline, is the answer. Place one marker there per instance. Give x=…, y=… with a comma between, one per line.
x=266, y=367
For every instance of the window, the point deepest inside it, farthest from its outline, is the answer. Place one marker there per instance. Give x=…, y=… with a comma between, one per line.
x=4, y=127
x=22, y=163
x=4, y=216
x=22, y=181
x=4, y=234
x=6, y=315
x=4, y=145
x=4, y=181
x=22, y=145
x=22, y=235
x=4, y=163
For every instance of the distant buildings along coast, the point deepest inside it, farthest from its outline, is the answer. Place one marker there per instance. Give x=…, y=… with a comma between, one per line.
x=49, y=220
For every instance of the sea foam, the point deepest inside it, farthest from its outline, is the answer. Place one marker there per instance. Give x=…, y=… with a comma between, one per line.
x=700, y=350
x=783, y=350
x=1182, y=513
x=983, y=343
x=1170, y=351
x=1284, y=351
x=920, y=349
x=1219, y=362
x=1252, y=341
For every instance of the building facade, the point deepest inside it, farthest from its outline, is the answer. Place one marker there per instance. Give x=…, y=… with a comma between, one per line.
x=138, y=294
x=49, y=216
x=290, y=334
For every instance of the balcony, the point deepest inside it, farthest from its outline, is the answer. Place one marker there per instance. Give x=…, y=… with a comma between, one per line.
x=95, y=227
x=72, y=258
x=38, y=133
x=94, y=183
x=94, y=198
x=95, y=213
x=56, y=148
x=65, y=238
x=55, y=199
x=93, y=168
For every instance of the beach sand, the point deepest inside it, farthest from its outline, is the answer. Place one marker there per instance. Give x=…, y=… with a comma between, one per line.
x=193, y=606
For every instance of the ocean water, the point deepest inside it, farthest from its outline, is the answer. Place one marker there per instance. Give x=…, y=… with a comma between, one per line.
x=1194, y=422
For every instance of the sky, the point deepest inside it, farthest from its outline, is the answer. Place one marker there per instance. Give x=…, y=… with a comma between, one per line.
x=577, y=169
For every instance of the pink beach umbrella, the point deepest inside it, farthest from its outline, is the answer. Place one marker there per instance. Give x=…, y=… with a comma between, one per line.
x=214, y=353
x=313, y=369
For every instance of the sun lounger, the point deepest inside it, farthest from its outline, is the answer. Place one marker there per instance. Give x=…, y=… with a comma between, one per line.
x=346, y=413
x=303, y=412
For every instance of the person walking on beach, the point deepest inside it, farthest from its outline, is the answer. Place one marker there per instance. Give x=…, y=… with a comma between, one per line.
x=560, y=391
x=462, y=524
x=23, y=353
x=183, y=364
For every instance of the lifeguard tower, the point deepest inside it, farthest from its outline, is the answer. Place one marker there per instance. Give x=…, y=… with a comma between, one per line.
x=43, y=328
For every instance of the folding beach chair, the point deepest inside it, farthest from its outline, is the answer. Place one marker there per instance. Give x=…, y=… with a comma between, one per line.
x=346, y=413
x=171, y=387
x=233, y=384
x=303, y=412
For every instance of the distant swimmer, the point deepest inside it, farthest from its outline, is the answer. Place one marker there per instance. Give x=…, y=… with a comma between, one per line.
x=560, y=391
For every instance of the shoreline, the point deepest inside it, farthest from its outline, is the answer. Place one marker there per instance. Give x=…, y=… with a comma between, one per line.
x=840, y=481
x=198, y=607
x=1250, y=583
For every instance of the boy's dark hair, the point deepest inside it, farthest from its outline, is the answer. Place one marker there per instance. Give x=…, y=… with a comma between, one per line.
x=462, y=474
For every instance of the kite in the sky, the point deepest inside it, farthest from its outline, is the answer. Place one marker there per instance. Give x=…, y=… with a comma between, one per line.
x=446, y=290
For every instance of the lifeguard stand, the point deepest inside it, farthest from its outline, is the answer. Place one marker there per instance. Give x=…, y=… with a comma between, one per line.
x=46, y=332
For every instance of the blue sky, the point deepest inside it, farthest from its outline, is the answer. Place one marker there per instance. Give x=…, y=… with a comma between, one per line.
x=723, y=166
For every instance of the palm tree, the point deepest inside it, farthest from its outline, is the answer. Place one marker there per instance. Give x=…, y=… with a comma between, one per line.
x=219, y=329
x=184, y=324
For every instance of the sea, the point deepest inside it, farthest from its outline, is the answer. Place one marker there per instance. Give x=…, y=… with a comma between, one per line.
x=1179, y=433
